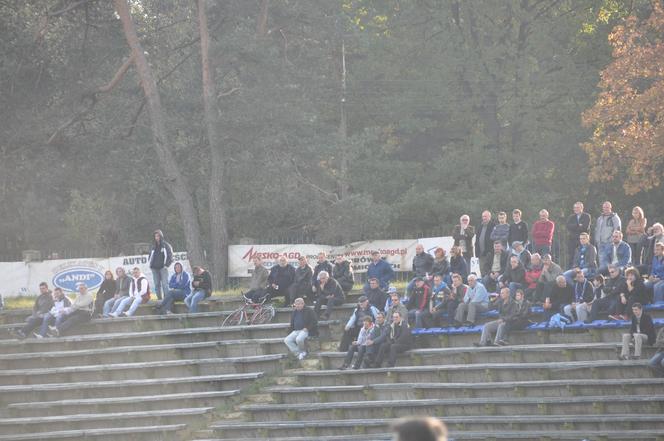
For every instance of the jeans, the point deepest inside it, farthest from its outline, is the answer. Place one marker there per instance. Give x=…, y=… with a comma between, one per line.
x=66, y=322
x=48, y=320
x=497, y=327
x=160, y=278
x=169, y=299
x=296, y=341
x=472, y=309
x=31, y=323
x=658, y=290
x=417, y=316
x=111, y=305
x=581, y=311
x=127, y=301
x=193, y=299
x=601, y=254
x=639, y=339
x=656, y=363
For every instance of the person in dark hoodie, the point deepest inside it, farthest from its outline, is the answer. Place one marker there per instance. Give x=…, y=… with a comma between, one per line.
x=301, y=286
x=329, y=293
x=343, y=273
x=398, y=341
x=201, y=288
x=322, y=265
x=282, y=276
x=179, y=288
x=41, y=307
x=161, y=257
x=105, y=292
x=514, y=276
x=377, y=297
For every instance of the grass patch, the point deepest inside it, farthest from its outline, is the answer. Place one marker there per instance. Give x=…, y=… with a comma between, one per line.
x=20, y=302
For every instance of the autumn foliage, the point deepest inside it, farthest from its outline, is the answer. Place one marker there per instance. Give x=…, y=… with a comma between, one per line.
x=628, y=117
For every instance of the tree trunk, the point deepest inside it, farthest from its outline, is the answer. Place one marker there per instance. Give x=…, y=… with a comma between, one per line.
x=261, y=24
x=343, y=131
x=218, y=219
x=175, y=181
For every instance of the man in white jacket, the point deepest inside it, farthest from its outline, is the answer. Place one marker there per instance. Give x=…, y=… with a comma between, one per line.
x=138, y=293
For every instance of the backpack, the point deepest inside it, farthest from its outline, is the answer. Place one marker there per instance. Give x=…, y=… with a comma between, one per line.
x=559, y=321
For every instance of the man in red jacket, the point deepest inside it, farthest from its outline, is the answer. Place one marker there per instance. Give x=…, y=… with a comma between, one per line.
x=543, y=233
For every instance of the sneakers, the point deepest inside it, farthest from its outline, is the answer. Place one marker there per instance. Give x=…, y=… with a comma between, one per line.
x=20, y=334
x=502, y=343
x=356, y=367
x=343, y=367
x=53, y=331
x=301, y=355
x=113, y=315
x=37, y=335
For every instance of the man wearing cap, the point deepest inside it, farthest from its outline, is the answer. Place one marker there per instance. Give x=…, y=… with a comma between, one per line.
x=379, y=269
x=355, y=322
x=377, y=297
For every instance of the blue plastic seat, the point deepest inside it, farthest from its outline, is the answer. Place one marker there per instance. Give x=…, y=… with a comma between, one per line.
x=538, y=326
x=658, y=321
x=606, y=324
x=575, y=325
x=491, y=314
x=537, y=309
x=655, y=307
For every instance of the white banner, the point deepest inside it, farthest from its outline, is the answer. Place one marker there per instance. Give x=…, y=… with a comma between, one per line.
x=239, y=256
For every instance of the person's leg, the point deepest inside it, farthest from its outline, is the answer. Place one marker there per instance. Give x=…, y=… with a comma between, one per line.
x=409, y=287
x=451, y=307
x=501, y=332
x=382, y=351
x=31, y=323
x=569, y=276
x=290, y=342
x=656, y=363
x=361, y=351
x=460, y=315
x=196, y=297
x=582, y=312
x=347, y=338
x=124, y=303
x=658, y=292
x=48, y=320
x=474, y=310
x=163, y=276
x=73, y=319
x=349, y=356
x=601, y=257
x=567, y=310
x=639, y=340
x=134, y=306
x=487, y=331
x=301, y=341
x=395, y=350
x=626, y=339
x=156, y=282
x=108, y=306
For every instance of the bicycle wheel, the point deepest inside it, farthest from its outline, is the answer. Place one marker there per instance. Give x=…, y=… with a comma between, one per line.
x=235, y=318
x=263, y=315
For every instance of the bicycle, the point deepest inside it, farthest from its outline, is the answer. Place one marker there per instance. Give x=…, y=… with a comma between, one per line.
x=261, y=314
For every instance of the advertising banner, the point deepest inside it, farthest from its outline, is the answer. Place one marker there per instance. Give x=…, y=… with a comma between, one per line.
x=240, y=256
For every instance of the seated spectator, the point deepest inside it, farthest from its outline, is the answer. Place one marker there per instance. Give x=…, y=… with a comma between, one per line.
x=105, y=292
x=303, y=323
x=655, y=282
x=355, y=321
x=613, y=286
x=635, y=233
x=422, y=267
x=523, y=254
x=506, y=308
x=280, y=279
x=440, y=267
x=585, y=259
x=301, y=286
x=78, y=313
x=475, y=302
x=550, y=272
x=343, y=273
x=420, y=429
x=328, y=293
x=377, y=297
x=41, y=307
x=201, y=288
x=321, y=265
x=533, y=275
x=122, y=285
x=418, y=303
x=398, y=341
x=496, y=265
x=518, y=230
x=139, y=292
x=656, y=363
x=379, y=336
x=655, y=235
x=634, y=292
x=458, y=265
x=617, y=253
x=438, y=285
x=502, y=230
x=379, y=269
x=179, y=287
x=359, y=346
x=514, y=276
x=518, y=320
x=258, y=283
x=584, y=295
x=395, y=306
x=543, y=233
x=60, y=303
x=463, y=238
x=642, y=330
x=446, y=302
x=561, y=294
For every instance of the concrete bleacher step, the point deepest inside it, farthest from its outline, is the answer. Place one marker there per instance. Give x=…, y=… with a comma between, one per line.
x=123, y=388
x=142, y=370
x=135, y=403
x=86, y=421
x=171, y=432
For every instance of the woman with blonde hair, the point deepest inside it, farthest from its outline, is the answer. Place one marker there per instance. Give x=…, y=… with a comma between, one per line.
x=635, y=233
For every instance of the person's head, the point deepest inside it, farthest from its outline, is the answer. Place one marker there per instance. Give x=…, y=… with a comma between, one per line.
x=395, y=298
x=659, y=249
x=504, y=293
x=257, y=261
x=516, y=215
x=579, y=276
x=302, y=261
x=598, y=280
x=367, y=322
x=375, y=256
x=136, y=272
x=535, y=259
x=419, y=248
x=561, y=282
x=158, y=236
x=396, y=317
x=456, y=251
x=119, y=271
x=502, y=217
x=419, y=282
x=380, y=318
x=632, y=274
x=298, y=304
x=472, y=280
x=584, y=238
x=82, y=288
x=637, y=309
x=108, y=275
x=544, y=215
x=323, y=277
x=517, y=245
x=419, y=429
x=440, y=253
x=339, y=258
x=456, y=280
x=437, y=279
x=322, y=257
x=178, y=268
x=486, y=216
x=363, y=302
x=616, y=237
x=614, y=271
x=373, y=283
x=637, y=213
x=519, y=295
x=497, y=247
x=657, y=229
x=198, y=270
x=546, y=258
x=464, y=220
x=578, y=207
x=43, y=287
x=282, y=261
x=514, y=261
x=606, y=208
x=58, y=294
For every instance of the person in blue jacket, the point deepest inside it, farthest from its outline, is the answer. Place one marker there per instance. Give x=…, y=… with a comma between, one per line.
x=618, y=253
x=179, y=287
x=379, y=269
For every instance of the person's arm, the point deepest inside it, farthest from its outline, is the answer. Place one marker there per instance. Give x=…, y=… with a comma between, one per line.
x=169, y=254
x=351, y=321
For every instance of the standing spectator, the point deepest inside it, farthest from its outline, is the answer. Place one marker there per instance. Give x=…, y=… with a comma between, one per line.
x=329, y=293
x=533, y=275
x=475, y=302
x=496, y=265
x=355, y=321
x=547, y=280
x=258, y=283
x=607, y=223
x=543, y=230
x=642, y=330
x=377, y=297
x=635, y=233
x=41, y=307
x=577, y=223
x=78, y=313
x=60, y=303
x=506, y=308
x=440, y=267
x=422, y=267
x=523, y=254
x=561, y=294
x=359, y=345
x=617, y=253
x=518, y=320
x=139, y=292
x=105, y=292
x=399, y=341
x=343, y=273
x=656, y=235
x=655, y=282
x=201, y=289
x=458, y=265
x=418, y=302
x=585, y=259
x=322, y=265
x=634, y=292
x=179, y=287
x=445, y=304
x=502, y=230
x=301, y=286
x=483, y=242
x=420, y=429
x=463, y=238
x=379, y=269
x=396, y=306
x=656, y=363
x=281, y=277
x=518, y=230
x=161, y=257
x=584, y=294
x=303, y=323
x=514, y=276
x=122, y=285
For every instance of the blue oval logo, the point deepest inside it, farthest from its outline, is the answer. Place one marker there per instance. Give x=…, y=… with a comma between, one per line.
x=69, y=279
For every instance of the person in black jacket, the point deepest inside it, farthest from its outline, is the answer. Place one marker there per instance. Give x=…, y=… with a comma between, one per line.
x=377, y=297
x=561, y=294
x=282, y=276
x=483, y=242
x=41, y=307
x=495, y=264
x=584, y=294
x=201, y=288
x=161, y=257
x=514, y=276
x=634, y=291
x=613, y=286
x=656, y=363
x=506, y=310
x=329, y=293
x=463, y=237
x=105, y=292
x=379, y=336
x=322, y=265
x=642, y=330
x=519, y=318
x=577, y=223
x=398, y=341
x=301, y=286
x=303, y=323
x=343, y=273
